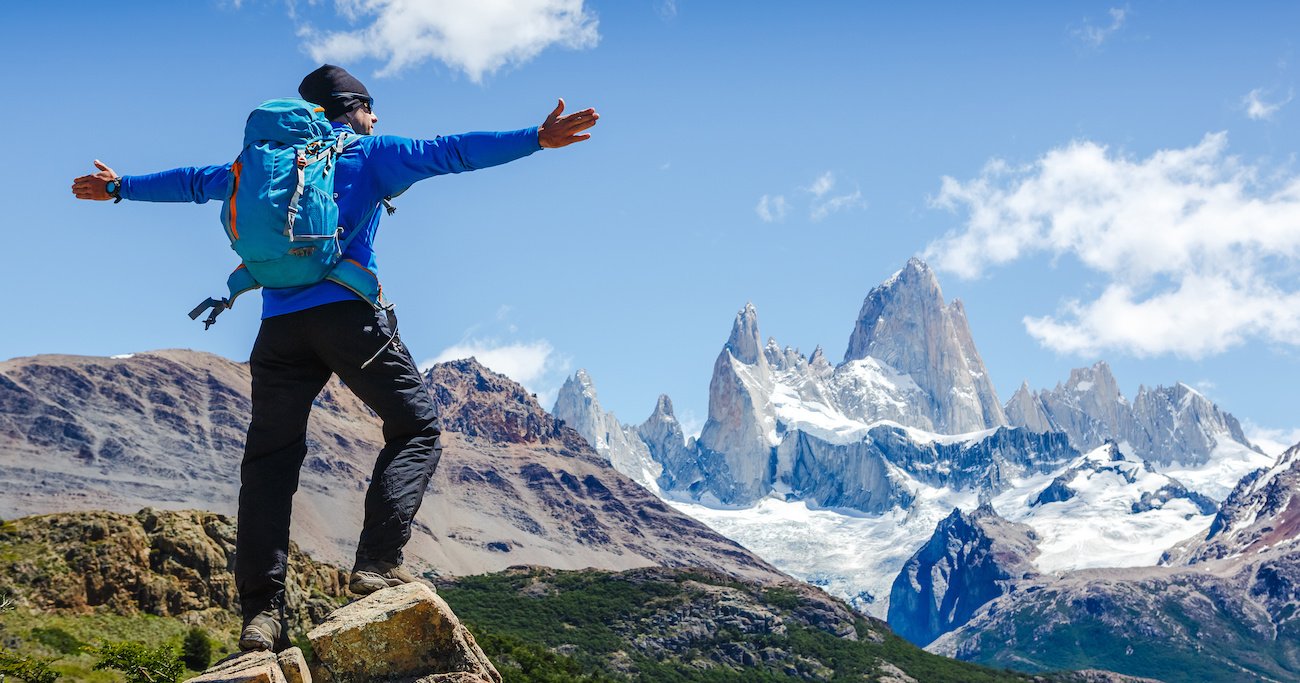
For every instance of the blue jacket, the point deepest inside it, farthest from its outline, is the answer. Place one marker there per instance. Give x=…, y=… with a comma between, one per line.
x=374, y=167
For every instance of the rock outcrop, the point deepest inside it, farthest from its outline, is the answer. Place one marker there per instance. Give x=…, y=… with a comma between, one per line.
x=155, y=562
x=970, y=559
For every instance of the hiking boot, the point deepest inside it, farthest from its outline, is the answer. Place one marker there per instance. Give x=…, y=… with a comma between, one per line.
x=261, y=632
x=368, y=577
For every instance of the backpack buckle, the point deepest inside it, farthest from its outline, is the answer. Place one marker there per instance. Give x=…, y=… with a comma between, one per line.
x=216, y=306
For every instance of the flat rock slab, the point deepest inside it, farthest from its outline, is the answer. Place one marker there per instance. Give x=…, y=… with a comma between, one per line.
x=249, y=667
x=406, y=634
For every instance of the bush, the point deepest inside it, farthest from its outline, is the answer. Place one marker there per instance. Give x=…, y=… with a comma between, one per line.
x=196, y=650
x=139, y=663
x=25, y=668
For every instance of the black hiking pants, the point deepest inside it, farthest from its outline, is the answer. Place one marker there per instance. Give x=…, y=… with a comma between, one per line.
x=293, y=357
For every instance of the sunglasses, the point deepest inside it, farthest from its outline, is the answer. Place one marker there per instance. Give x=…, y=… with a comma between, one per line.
x=366, y=101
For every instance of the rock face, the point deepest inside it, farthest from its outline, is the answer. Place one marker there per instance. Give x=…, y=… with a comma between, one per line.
x=1262, y=512
x=153, y=562
x=1223, y=609
x=736, y=442
x=576, y=404
x=402, y=633
x=905, y=324
x=865, y=475
x=166, y=429
x=670, y=449
x=971, y=559
x=1163, y=425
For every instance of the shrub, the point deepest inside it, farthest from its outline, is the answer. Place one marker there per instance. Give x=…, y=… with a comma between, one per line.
x=138, y=663
x=196, y=650
x=25, y=668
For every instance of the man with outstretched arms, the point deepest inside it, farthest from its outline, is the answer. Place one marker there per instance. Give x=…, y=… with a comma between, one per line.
x=309, y=332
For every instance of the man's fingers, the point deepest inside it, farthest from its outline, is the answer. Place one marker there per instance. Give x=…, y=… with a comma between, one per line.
x=571, y=127
x=100, y=165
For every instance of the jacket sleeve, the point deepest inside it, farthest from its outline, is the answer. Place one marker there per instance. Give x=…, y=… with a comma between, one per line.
x=399, y=162
x=195, y=184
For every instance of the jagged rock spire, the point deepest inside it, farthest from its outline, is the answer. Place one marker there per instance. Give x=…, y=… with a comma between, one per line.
x=744, y=342
x=905, y=323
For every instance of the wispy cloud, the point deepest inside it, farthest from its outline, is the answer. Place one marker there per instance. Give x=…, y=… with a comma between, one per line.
x=1094, y=36
x=1271, y=441
x=1258, y=107
x=823, y=184
x=534, y=364
x=667, y=9
x=825, y=204
x=1197, y=252
x=472, y=36
x=771, y=208
x=822, y=209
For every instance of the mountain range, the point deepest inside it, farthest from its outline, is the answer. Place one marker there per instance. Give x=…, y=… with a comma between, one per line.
x=838, y=474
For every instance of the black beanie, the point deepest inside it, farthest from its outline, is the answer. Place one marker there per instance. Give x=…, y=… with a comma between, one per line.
x=319, y=84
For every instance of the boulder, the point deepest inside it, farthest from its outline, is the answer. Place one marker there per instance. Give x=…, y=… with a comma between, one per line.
x=406, y=633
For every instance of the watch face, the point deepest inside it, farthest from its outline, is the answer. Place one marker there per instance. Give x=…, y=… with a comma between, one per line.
x=111, y=187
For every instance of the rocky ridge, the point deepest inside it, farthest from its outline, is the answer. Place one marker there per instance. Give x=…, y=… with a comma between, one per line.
x=972, y=558
x=165, y=429
x=1164, y=425
x=1223, y=608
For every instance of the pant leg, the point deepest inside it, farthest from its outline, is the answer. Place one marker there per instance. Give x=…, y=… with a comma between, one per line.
x=392, y=387
x=287, y=376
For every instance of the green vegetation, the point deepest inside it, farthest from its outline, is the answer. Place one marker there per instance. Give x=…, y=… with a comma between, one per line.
x=138, y=663
x=196, y=649
x=587, y=626
x=58, y=640
x=27, y=669
x=49, y=638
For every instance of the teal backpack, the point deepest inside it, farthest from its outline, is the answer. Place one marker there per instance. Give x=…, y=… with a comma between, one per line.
x=280, y=213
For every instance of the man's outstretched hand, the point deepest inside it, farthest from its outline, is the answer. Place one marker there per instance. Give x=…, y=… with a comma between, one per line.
x=559, y=130
x=95, y=185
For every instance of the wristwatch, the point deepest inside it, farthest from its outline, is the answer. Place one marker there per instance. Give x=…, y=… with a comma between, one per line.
x=114, y=189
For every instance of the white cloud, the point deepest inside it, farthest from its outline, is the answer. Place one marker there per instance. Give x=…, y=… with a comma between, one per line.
x=825, y=208
x=667, y=9
x=823, y=184
x=477, y=37
x=771, y=208
x=535, y=364
x=1094, y=35
x=1258, y=108
x=1271, y=441
x=1198, y=255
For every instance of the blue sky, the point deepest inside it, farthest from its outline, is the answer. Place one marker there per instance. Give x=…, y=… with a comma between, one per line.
x=1093, y=180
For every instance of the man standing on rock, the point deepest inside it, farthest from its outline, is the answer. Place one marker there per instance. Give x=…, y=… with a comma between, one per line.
x=310, y=332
